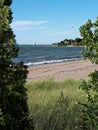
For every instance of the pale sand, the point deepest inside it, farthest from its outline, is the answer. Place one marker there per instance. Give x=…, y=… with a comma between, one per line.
x=61, y=71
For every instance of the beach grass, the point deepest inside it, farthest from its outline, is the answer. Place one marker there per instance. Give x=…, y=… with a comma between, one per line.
x=53, y=105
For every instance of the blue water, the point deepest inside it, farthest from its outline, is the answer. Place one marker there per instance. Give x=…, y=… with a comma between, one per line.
x=38, y=55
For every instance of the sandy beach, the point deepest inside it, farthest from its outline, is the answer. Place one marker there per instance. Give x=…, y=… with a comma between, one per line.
x=60, y=71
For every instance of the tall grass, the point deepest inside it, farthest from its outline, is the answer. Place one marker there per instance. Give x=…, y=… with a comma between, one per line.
x=53, y=104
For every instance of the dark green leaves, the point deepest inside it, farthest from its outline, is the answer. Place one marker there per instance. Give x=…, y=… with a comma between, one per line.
x=89, y=32
x=13, y=101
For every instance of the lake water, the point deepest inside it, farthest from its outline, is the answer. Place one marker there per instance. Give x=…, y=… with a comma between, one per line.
x=38, y=55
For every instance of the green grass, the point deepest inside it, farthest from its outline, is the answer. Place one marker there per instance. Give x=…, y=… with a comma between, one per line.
x=53, y=104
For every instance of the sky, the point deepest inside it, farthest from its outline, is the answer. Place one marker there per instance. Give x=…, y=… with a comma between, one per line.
x=50, y=21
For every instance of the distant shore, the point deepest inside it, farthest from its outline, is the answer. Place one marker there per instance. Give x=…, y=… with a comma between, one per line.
x=60, y=71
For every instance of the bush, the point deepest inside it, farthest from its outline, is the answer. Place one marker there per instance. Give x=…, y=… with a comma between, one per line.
x=89, y=32
x=90, y=108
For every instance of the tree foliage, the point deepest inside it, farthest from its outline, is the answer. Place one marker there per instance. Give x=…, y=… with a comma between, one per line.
x=68, y=42
x=89, y=32
x=13, y=100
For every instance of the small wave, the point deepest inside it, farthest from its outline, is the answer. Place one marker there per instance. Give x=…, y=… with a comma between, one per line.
x=51, y=61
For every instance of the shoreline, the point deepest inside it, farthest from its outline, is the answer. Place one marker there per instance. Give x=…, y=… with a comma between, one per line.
x=79, y=69
x=51, y=62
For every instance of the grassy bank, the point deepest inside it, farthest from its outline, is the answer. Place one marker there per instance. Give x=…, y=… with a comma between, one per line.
x=53, y=105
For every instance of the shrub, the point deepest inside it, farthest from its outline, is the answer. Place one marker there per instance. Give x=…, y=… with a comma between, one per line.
x=89, y=32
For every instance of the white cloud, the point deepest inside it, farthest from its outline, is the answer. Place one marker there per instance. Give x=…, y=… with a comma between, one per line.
x=26, y=24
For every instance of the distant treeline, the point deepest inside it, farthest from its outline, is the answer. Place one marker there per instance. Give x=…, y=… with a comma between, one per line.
x=67, y=42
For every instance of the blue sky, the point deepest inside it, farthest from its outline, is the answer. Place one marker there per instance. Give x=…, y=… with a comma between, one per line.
x=49, y=21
